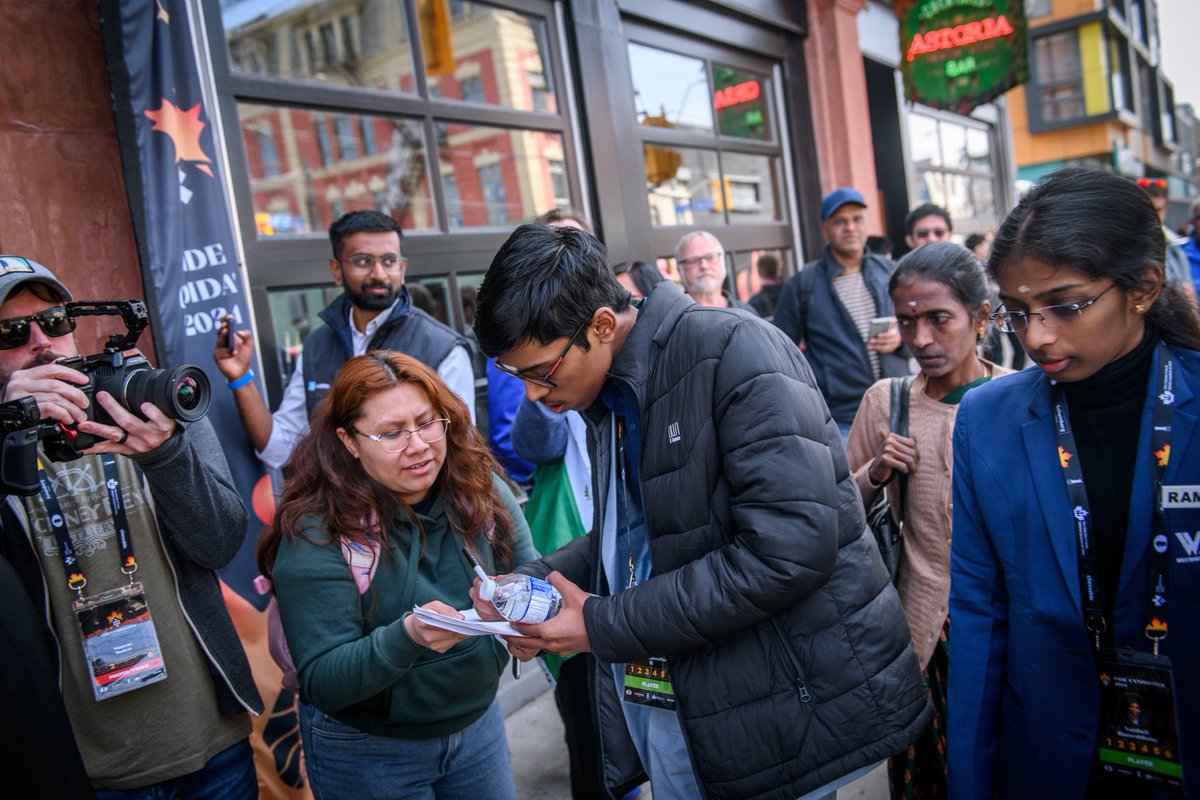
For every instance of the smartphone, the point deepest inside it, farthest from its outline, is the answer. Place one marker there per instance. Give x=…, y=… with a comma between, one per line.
x=230, y=335
x=880, y=325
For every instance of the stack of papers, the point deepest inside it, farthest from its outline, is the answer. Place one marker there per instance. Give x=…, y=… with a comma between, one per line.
x=470, y=625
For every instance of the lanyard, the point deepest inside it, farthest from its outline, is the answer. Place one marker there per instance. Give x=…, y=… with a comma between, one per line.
x=58, y=522
x=623, y=502
x=1160, y=446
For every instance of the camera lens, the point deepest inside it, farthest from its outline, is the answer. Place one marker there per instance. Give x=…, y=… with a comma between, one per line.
x=187, y=393
x=182, y=393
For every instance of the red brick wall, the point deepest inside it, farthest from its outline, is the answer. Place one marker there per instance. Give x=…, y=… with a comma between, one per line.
x=62, y=194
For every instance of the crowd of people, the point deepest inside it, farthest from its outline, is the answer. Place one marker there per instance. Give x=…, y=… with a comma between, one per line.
x=692, y=472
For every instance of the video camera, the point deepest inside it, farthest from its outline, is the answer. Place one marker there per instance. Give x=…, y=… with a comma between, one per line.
x=122, y=370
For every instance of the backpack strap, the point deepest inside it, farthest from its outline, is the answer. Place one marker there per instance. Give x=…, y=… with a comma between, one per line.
x=808, y=282
x=899, y=424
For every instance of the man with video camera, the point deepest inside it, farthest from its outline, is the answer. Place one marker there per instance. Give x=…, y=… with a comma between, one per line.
x=119, y=549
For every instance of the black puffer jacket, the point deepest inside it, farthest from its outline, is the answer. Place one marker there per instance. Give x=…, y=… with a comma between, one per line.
x=791, y=656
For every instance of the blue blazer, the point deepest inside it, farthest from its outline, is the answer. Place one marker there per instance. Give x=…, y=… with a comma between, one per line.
x=1023, y=697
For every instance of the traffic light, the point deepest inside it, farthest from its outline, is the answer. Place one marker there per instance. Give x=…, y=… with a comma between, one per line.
x=433, y=16
x=662, y=163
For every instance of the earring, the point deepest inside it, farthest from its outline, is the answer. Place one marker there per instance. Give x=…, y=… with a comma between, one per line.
x=1139, y=309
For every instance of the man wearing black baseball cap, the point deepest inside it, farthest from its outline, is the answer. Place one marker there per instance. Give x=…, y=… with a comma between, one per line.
x=836, y=309
x=118, y=551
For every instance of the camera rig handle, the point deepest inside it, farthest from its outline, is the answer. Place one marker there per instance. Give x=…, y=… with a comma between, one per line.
x=133, y=312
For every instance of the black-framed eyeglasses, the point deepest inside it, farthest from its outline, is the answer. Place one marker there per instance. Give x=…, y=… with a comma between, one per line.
x=544, y=380
x=1051, y=316
x=397, y=441
x=703, y=258
x=365, y=262
x=54, y=322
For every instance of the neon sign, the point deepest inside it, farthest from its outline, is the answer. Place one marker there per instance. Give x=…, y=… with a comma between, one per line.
x=738, y=93
x=959, y=36
x=960, y=54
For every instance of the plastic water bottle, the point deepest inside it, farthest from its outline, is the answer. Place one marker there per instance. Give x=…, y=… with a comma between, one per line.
x=520, y=598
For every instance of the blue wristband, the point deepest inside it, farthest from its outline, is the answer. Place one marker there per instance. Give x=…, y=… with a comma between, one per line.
x=242, y=381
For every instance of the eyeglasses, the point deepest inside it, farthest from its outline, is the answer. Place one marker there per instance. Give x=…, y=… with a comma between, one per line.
x=695, y=261
x=1156, y=183
x=545, y=379
x=14, y=331
x=931, y=233
x=1051, y=316
x=397, y=441
x=391, y=262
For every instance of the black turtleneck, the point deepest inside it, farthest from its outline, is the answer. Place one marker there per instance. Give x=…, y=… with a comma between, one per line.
x=1106, y=416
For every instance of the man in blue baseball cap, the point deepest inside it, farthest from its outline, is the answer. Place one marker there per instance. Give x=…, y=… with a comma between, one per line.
x=847, y=351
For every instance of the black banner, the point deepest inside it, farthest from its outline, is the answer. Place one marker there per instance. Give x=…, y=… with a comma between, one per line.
x=185, y=233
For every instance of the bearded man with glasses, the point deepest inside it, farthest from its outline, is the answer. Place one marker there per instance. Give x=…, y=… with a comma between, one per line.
x=375, y=312
x=701, y=261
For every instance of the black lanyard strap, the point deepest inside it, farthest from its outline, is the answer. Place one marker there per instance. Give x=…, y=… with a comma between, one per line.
x=1081, y=510
x=58, y=523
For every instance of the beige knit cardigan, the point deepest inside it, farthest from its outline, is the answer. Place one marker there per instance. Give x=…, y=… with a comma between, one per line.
x=923, y=579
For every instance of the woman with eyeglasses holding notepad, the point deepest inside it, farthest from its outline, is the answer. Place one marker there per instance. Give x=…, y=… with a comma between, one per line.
x=392, y=482
x=1075, y=571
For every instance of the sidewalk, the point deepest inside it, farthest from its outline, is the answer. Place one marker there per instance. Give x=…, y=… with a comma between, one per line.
x=539, y=753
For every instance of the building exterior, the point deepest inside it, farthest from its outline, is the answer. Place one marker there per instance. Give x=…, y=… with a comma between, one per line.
x=1097, y=95
x=463, y=119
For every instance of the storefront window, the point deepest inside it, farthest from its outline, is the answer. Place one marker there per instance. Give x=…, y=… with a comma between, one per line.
x=354, y=44
x=952, y=160
x=295, y=315
x=684, y=186
x=752, y=270
x=752, y=186
x=310, y=183
x=498, y=176
x=670, y=90
x=483, y=54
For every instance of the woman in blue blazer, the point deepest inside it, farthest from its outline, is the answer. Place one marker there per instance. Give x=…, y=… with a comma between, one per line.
x=1057, y=475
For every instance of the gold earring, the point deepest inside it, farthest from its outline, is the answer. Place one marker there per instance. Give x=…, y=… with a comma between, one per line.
x=1139, y=309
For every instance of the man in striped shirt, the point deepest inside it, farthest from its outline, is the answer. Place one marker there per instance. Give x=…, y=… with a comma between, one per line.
x=829, y=306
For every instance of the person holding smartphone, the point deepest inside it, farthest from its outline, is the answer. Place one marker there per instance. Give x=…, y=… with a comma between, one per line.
x=835, y=306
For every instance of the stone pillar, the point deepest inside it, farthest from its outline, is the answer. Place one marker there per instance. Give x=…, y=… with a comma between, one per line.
x=841, y=113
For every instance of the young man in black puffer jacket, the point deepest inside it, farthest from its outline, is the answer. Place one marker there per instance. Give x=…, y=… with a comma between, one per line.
x=748, y=641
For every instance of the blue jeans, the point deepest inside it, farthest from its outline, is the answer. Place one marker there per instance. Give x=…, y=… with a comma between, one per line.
x=229, y=774
x=342, y=761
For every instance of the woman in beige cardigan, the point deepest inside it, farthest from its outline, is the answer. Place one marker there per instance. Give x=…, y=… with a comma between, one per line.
x=940, y=293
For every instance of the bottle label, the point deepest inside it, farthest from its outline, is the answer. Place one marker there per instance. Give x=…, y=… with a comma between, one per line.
x=541, y=601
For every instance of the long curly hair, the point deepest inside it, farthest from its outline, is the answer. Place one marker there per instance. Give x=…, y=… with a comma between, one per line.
x=325, y=480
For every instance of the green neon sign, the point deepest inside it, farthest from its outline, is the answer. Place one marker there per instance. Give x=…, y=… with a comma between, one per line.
x=959, y=54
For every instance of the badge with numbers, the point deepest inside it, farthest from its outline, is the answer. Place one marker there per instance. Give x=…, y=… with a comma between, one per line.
x=648, y=683
x=1138, y=743
x=120, y=644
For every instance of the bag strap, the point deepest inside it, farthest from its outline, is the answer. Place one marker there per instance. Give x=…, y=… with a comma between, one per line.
x=899, y=424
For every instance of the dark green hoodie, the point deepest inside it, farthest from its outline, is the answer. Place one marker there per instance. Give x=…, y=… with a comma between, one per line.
x=353, y=656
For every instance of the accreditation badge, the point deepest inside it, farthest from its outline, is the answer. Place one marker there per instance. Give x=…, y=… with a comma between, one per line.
x=648, y=683
x=1138, y=743
x=120, y=644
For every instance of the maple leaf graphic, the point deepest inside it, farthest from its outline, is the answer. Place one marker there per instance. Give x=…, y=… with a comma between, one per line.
x=1163, y=455
x=1064, y=456
x=184, y=128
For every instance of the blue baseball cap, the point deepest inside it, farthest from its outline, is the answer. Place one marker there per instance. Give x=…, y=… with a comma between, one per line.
x=838, y=198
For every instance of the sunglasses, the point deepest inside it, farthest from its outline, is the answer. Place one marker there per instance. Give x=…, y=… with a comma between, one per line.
x=54, y=322
x=1155, y=183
